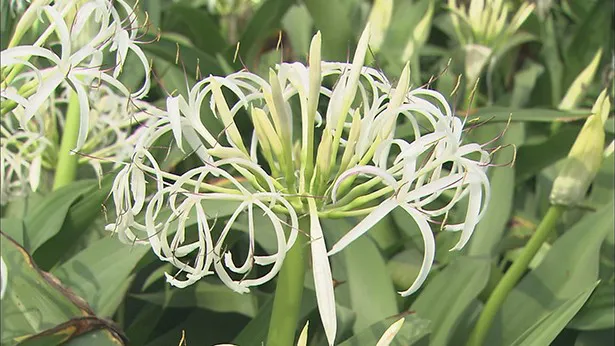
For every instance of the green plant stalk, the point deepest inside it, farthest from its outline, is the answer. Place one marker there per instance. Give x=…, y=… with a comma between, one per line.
x=512, y=276
x=66, y=170
x=288, y=293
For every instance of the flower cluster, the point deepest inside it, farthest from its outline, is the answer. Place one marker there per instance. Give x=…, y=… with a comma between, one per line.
x=486, y=22
x=484, y=30
x=85, y=36
x=37, y=85
x=342, y=161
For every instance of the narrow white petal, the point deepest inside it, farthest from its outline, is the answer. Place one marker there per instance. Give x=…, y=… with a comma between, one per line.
x=175, y=119
x=3, y=277
x=368, y=222
x=390, y=333
x=35, y=172
x=472, y=214
x=323, y=280
x=304, y=335
x=84, y=113
x=430, y=249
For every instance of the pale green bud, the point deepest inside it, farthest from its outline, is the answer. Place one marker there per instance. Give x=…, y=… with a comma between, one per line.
x=584, y=158
x=578, y=87
x=379, y=18
x=419, y=34
x=27, y=20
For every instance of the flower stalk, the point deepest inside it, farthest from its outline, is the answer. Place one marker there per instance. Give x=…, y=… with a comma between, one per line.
x=288, y=293
x=512, y=276
x=66, y=169
x=569, y=188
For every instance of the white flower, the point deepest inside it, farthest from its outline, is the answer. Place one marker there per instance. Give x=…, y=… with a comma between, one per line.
x=483, y=29
x=21, y=159
x=28, y=153
x=288, y=173
x=80, y=63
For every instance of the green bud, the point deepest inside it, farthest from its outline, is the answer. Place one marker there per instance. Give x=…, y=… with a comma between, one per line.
x=380, y=18
x=584, y=158
x=577, y=89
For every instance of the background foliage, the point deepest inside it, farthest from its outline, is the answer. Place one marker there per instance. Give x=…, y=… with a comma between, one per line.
x=71, y=282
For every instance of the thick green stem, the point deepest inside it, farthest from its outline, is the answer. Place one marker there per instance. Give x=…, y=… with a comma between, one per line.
x=512, y=276
x=287, y=300
x=66, y=170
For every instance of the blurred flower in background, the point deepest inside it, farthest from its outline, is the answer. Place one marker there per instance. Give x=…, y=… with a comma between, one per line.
x=94, y=40
x=485, y=29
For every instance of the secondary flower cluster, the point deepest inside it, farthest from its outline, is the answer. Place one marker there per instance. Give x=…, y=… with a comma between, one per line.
x=342, y=160
x=38, y=84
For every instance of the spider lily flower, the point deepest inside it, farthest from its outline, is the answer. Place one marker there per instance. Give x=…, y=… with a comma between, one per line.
x=27, y=153
x=483, y=28
x=286, y=173
x=21, y=158
x=80, y=64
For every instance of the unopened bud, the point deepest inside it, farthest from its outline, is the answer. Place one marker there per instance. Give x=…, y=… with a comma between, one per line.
x=380, y=18
x=584, y=158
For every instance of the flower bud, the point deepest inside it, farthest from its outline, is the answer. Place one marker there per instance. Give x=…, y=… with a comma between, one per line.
x=577, y=89
x=584, y=158
x=380, y=18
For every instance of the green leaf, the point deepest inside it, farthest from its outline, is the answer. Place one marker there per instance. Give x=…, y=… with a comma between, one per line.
x=406, y=15
x=202, y=327
x=525, y=80
x=14, y=228
x=488, y=233
x=404, y=267
x=197, y=25
x=414, y=332
x=81, y=215
x=547, y=329
x=569, y=268
x=446, y=298
x=262, y=25
x=599, y=312
x=90, y=331
x=502, y=114
x=97, y=338
x=533, y=158
x=588, y=38
x=205, y=295
x=168, y=48
x=255, y=332
x=144, y=324
x=101, y=273
x=46, y=220
x=604, y=182
x=34, y=300
x=334, y=20
x=596, y=338
x=298, y=27
x=550, y=53
x=366, y=276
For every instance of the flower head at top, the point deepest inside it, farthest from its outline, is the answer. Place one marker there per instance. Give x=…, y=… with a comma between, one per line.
x=87, y=33
x=323, y=143
x=484, y=30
